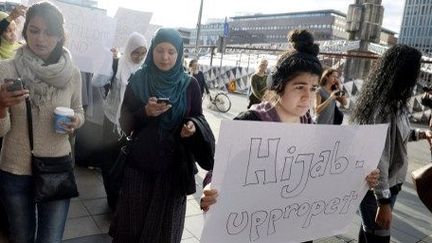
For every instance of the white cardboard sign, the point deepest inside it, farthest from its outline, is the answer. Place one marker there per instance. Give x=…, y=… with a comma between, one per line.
x=289, y=182
x=128, y=21
x=89, y=36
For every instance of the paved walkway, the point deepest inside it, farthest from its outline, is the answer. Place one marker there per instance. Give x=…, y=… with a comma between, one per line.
x=89, y=215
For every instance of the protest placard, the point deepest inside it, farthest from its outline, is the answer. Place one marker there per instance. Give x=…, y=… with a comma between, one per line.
x=289, y=182
x=89, y=37
x=129, y=21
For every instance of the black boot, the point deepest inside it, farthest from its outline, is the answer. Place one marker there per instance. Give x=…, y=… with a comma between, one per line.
x=366, y=237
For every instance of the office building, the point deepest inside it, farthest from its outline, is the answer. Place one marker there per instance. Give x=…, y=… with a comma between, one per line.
x=273, y=28
x=416, y=28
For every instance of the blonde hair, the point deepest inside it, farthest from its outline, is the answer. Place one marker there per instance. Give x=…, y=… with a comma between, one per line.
x=260, y=61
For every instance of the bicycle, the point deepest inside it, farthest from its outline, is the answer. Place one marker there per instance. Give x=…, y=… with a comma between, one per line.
x=221, y=101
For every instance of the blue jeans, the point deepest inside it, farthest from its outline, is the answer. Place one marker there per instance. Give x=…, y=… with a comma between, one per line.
x=25, y=216
x=368, y=209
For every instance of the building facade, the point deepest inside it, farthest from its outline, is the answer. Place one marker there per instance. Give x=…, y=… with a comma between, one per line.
x=416, y=28
x=273, y=28
x=209, y=33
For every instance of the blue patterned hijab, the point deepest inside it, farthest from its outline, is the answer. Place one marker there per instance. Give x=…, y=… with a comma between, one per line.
x=150, y=81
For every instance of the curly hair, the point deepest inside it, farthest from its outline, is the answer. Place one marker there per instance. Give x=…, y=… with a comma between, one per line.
x=389, y=86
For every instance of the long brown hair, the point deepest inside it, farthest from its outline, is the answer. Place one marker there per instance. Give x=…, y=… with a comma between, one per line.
x=325, y=75
x=54, y=20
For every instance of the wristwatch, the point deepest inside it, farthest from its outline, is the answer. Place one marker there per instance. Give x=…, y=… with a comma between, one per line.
x=385, y=197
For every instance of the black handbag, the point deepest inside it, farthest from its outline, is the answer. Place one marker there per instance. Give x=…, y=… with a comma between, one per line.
x=114, y=179
x=338, y=116
x=53, y=177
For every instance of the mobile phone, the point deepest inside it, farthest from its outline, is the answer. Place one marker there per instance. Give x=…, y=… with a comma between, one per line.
x=427, y=89
x=164, y=100
x=17, y=84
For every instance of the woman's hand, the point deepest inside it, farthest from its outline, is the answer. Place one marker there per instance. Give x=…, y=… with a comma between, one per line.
x=333, y=94
x=152, y=108
x=115, y=52
x=188, y=129
x=11, y=98
x=427, y=134
x=373, y=178
x=208, y=198
x=72, y=124
x=19, y=10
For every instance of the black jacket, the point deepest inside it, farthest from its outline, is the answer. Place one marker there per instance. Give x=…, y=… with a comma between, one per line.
x=199, y=148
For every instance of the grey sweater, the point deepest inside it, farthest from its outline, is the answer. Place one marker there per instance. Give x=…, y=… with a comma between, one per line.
x=394, y=159
x=15, y=155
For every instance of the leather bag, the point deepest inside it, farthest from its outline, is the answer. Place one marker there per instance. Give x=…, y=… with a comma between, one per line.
x=422, y=179
x=338, y=116
x=53, y=177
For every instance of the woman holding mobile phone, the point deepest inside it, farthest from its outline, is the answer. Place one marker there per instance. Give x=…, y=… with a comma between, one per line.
x=327, y=96
x=167, y=139
x=50, y=80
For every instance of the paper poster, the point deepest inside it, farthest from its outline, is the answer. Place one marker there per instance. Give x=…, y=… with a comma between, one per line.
x=289, y=182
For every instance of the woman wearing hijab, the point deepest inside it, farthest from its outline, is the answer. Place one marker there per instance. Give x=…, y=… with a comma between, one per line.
x=168, y=136
x=8, y=32
x=134, y=53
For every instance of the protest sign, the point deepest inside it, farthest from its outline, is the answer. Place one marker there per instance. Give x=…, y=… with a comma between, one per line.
x=289, y=182
x=89, y=36
x=129, y=21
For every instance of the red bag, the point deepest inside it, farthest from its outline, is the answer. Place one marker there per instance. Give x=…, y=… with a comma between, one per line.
x=422, y=179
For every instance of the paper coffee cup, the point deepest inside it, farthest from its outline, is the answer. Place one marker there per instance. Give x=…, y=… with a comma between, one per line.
x=61, y=116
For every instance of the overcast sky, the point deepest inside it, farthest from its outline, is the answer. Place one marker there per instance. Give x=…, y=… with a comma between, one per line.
x=184, y=13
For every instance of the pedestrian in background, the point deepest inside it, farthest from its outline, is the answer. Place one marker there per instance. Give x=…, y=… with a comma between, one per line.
x=50, y=80
x=327, y=96
x=258, y=83
x=113, y=138
x=383, y=99
x=199, y=76
x=8, y=32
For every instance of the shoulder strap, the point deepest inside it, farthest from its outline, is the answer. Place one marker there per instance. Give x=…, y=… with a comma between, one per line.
x=30, y=122
x=29, y=114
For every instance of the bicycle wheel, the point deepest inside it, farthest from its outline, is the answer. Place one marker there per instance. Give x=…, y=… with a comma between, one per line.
x=222, y=102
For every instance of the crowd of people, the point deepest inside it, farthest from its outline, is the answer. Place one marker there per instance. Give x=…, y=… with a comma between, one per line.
x=153, y=114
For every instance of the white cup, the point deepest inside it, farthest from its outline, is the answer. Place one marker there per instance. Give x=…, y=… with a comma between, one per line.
x=62, y=116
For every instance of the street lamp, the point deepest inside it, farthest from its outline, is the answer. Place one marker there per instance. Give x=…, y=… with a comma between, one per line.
x=198, y=28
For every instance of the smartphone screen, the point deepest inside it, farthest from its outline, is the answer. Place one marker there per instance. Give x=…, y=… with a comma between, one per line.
x=163, y=100
x=16, y=84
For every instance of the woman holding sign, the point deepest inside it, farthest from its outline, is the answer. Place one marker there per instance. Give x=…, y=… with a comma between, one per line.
x=383, y=99
x=294, y=82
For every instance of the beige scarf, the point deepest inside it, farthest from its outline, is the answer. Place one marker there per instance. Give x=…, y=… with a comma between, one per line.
x=43, y=81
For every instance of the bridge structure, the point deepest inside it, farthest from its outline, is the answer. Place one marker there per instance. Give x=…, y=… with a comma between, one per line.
x=232, y=68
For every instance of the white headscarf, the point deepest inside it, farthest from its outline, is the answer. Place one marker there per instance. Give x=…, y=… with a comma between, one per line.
x=126, y=66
